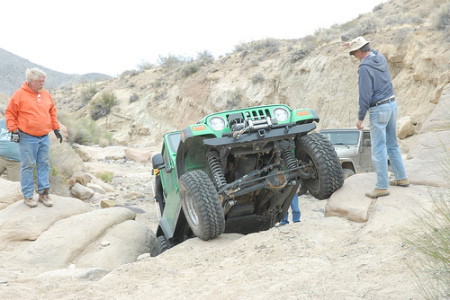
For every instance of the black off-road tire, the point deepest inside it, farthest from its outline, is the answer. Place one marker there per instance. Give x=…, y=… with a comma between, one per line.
x=164, y=243
x=327, y=170
x=201, y=205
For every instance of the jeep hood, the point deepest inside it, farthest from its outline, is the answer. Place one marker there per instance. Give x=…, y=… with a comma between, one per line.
x=344, y=151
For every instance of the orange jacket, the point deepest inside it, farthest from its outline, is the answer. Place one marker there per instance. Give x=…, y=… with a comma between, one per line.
x=32, y=113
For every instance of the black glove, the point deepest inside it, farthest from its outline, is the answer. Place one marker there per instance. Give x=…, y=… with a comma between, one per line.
x=15, y=136
x=58, y=135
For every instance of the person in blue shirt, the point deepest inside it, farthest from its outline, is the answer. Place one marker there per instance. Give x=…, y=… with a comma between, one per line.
x=376, y=96
x=9, y=154
x=296, y=213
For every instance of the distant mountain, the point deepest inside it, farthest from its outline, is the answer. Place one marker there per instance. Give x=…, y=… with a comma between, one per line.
x=13, y=68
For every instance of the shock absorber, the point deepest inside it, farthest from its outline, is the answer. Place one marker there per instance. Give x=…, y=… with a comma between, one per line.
x=216, y=169
x=288, y=157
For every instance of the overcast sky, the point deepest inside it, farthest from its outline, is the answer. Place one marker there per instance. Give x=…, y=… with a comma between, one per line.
x=108, y=36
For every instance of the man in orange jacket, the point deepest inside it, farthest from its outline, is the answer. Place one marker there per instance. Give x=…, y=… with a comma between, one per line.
x=30, y=116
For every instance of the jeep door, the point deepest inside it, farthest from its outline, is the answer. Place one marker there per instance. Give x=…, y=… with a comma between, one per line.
x=365, y=152
x=169, y=176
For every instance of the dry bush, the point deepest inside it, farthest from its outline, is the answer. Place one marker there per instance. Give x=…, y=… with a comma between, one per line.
x=257, y=78
x=101, y=106
x=430, y=241
x=441, y=20
x=88, y=93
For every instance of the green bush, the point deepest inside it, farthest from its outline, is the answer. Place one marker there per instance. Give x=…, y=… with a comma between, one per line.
x=257, y=78
x=105, y=176
x=145, y=65
x=88, y=93
x=189, y=69
x=172, y=61
x=431, y=242
x=205, y=58
x=134, y=98
x=441, y=20
x=84, y=131
x=101, y=106
x=298, y=55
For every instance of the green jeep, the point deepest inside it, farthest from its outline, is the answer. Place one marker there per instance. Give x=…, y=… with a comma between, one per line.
x=238, y=170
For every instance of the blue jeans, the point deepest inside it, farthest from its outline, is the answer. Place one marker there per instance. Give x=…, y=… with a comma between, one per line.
x=295, y=212
x=383, y=131
x=34, y=150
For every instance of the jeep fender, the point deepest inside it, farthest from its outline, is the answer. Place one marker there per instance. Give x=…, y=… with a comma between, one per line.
x=347, y=163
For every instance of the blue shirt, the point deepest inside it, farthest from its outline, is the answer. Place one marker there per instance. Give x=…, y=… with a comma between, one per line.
x=374, y=82
x=8, y=149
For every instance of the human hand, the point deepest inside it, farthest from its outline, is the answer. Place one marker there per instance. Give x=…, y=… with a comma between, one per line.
x=359, y=125
x=58, y=135
x=345, y=44
x=15, y=136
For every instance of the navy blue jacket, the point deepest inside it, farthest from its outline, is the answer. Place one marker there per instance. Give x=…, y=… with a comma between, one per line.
x=374, y=82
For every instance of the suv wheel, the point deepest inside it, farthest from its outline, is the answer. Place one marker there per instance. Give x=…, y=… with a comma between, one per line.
x=327, y=177
x=201, y=205
x=348, y=173
x=164, y=243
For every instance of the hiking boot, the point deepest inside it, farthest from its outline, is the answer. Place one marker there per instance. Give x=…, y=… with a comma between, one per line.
x=30, y=202
x=402, y=182
x=377, y=193
x=45, y=198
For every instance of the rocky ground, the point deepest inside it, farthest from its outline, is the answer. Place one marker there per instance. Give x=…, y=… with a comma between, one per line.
x=319, y=258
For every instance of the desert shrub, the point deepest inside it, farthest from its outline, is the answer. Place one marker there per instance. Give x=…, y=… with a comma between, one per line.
x=241, y=47
x=145, y=65
x=205, y=58
x=84, y=131
x=368, y=25
x=129, y=73
x=64, y=161
x=269, y=45
x=189, y=69
x=134, y=98
x=298, y=55
x=101, y=106
x=257, y=78
x=441, y=20
x=161, y=95
x=233, y=97
x=88, y=93
x=106, y=176
x=430, y=241
x=172, y=61
x=402, y=34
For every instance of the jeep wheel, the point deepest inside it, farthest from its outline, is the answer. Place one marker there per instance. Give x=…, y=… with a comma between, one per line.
x=327, y=171
x=201, y=205
x=164, y=243
x=348, y=173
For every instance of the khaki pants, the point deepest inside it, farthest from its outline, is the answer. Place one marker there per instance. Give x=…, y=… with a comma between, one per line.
x=11, y=167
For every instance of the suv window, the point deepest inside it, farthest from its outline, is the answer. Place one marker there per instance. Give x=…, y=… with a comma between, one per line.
x=342, y=138
x=174, y=141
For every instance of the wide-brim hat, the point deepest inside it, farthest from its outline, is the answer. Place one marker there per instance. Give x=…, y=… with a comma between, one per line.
x=357, y=43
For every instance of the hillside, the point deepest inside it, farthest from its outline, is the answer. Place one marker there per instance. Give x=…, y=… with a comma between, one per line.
x=12, y=74
x=312, y=72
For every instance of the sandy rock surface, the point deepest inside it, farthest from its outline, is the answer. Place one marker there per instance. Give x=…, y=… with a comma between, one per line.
x=319, y=258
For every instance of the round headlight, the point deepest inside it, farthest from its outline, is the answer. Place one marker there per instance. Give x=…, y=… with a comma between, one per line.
x=281, y=114
x=217, y=123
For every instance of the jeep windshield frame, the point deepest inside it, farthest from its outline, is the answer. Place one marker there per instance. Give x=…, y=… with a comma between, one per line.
x=342, y=137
